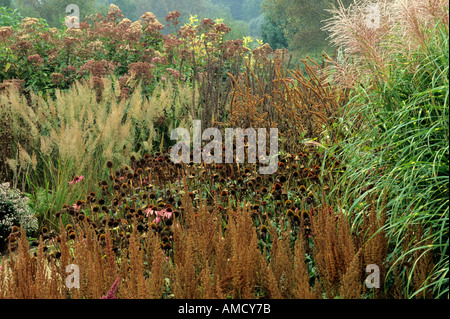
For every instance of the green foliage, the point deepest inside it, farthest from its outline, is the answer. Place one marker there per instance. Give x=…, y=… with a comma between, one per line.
x=9, y=17
x=272, y=33
x=400, y=155
x=5, y=3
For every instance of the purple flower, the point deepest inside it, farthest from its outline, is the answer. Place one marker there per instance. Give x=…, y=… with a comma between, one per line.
x=110, y=294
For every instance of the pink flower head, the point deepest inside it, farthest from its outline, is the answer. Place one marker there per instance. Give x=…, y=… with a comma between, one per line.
x=148, y=212
x=168, y=215
x=76, y=179
x=160, y=213
x=157, y=220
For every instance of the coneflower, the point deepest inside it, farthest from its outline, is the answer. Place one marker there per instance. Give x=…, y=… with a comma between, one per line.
x=289, y=213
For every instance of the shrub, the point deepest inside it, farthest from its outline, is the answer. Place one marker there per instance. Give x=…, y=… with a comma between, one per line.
x=14, y=211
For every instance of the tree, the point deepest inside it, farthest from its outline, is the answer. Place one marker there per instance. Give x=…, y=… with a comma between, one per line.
x=301, y=22
x=5, y=3
x=272, y=33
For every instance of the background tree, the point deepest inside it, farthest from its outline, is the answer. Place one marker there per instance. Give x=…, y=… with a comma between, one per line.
x=272, y=33
x=5, y=3
x=301, y=23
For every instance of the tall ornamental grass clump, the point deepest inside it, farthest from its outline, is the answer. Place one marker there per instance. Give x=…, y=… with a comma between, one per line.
x=397, y=147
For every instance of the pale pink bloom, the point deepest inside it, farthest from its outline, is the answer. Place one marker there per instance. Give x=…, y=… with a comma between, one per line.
x=157, y=220
x=167, y=215
x=76, y=179
x=148, y=212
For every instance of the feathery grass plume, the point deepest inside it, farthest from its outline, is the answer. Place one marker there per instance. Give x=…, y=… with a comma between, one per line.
x=246, y=261
x=282, y=264
x=352, y=286
x=334, y=248
x=302, y=288
x=136, y=283
x=375, y=242
x=423, y=266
